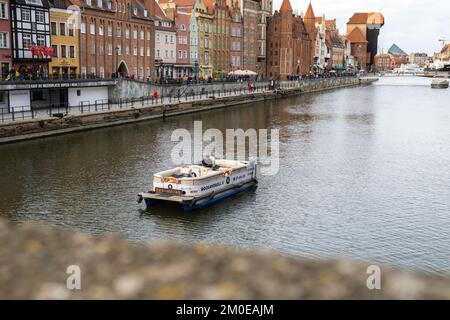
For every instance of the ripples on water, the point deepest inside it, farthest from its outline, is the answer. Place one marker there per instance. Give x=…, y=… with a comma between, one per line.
x=364, y=173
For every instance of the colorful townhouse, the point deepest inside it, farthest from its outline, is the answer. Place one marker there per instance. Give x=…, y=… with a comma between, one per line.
x=5, y=39
x=64, y=35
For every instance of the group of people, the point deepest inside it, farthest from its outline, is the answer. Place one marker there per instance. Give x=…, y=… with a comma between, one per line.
x=25, y=73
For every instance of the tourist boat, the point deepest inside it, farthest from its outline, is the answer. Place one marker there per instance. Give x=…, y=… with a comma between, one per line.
x=200, y=185
x=439, y=84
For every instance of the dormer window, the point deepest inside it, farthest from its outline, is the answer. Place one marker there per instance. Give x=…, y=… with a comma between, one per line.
x=109, y=5
x=135, y=11
x=145, y=13
x=88, y=2
x=100, y=3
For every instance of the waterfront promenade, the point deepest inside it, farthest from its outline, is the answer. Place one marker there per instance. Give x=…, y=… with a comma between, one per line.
x=56, y=120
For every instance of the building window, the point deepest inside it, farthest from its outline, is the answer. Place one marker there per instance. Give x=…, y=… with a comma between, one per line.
x=92, y=28
x=26, y=40
x=88, y=2
x=53, y=30
x=148, y=35
x=135, y=51
x=180, y=54
x=26, y=15
x=71, y=29
x=127, y=33
x=63, y=51
x=72, y=52
x=100, y=49
x=142, y=35
x=83, y=27
x=118, y=32
x=158, y=53
x=148, y=51
x=100, y=3
x=93, y=71
x=110, y=49
x=40, y=17
x=55, y=50
x=62, y=29
x=142, y=51
x=158, y=40
x=127, y=50
x=134, y=34
x=119, y=49
x=102, y=72
x=4, y=40
x=83, y=71
x=3, y=11
x=109, y=31
x=100, y=30
x=40, y=40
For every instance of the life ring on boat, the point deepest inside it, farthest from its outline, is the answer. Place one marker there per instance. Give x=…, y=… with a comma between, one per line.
x=193, y=175
x=170, y=187
x=227, y=173
x=170, y=180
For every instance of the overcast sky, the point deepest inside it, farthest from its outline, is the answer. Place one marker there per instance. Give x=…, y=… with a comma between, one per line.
x=414, y=25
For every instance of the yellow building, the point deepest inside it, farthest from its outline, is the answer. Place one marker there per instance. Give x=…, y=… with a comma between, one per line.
x=64, y=31
x=205, y=22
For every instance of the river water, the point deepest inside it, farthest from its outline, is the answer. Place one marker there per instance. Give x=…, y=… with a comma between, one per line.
x=364, y=173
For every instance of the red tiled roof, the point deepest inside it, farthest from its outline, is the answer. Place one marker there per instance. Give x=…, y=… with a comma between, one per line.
x=286, y=6
x=159, y=12
x=209, y=5
x=330, y=24
x=319, y=20
x=356, y=36
x=179, y=2
x=309, y=12
x=367, y=18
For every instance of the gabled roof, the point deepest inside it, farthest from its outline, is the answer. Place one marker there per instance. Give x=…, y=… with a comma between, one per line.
x=309, y=12
x=330, y=24
x=396, y=51
x=286, y=6
x=356, y=36
x=159, y=12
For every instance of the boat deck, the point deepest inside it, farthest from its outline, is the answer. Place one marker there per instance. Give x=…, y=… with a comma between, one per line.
x=167, y=197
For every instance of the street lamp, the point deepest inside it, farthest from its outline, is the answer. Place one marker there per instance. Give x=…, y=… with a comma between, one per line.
x=116, y=68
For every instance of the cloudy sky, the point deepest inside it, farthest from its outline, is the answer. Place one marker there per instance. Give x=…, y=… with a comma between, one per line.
x=414, y=25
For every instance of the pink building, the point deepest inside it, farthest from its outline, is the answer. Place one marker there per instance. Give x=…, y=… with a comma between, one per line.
x=5, y=39
x=181, y=16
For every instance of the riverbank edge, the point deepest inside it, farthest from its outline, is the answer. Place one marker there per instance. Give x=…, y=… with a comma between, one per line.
x=41, y=128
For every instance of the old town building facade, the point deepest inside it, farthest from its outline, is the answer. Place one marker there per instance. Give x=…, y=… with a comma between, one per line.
x=5, y=39
x=289, y=47
x=117, y=38
x=64, y=35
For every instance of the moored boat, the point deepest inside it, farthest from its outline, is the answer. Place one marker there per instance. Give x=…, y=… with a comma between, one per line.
x=200, y=185
x=439, y=84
